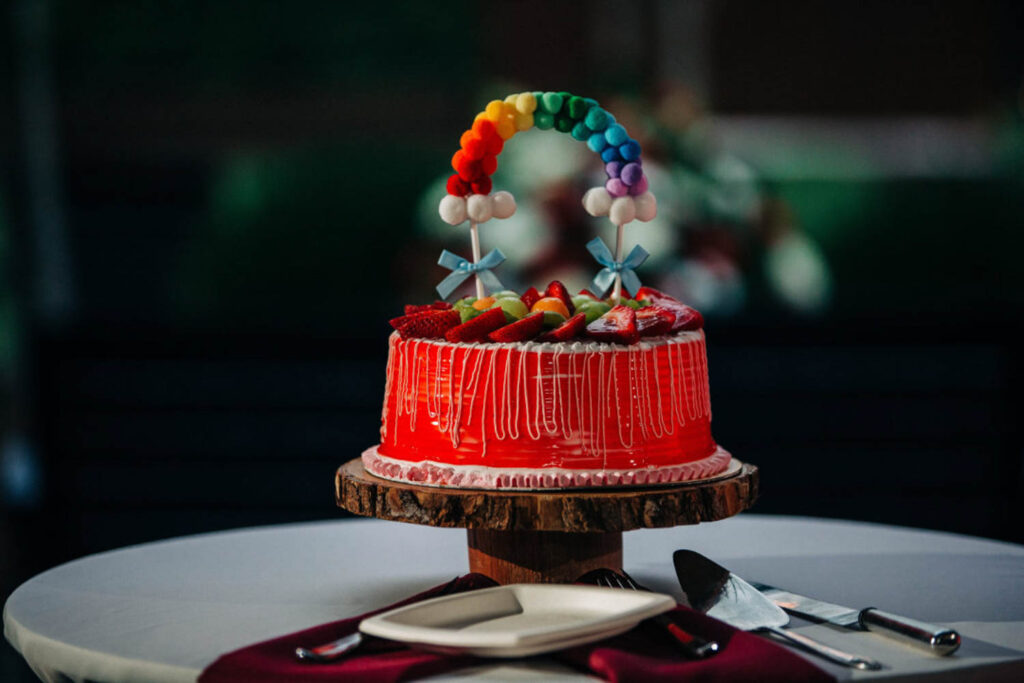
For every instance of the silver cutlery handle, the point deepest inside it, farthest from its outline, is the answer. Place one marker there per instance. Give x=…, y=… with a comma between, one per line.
x=329, y=652
x=829, y=653
x=935, y=639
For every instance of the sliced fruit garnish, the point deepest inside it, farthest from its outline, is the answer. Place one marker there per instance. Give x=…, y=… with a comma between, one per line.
x=484, y=304
x=616, y=326
x=654, y=320
x=687, y=317
x=514, y=309
x=551, y=303
x=570, y=329
x=521, y=330
x=426, y=324
x=594, y=310
x=557, y=289
x=530, y=297
x=587, y=292
x=422, y=308
x=477, y=328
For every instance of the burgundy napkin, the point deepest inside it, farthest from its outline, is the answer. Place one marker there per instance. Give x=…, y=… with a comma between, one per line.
x=643, y=654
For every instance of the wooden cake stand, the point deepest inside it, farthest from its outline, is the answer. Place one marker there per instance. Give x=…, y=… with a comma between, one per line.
x=547, y=536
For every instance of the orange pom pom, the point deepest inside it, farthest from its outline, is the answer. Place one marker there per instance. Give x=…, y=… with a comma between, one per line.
x=493, y=143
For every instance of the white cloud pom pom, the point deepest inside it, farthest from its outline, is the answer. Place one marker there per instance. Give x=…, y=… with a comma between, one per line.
x=597, y=201
x=452, y=209
x=504, y=204
x=623, y=211
x=479, y=208
x=646, y=206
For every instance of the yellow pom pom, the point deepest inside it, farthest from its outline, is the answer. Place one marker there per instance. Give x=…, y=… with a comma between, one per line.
x=511, y=99
x=481, y=115
x=495, y=110
x=526, y=103
x=523, y=121
x=506, y=127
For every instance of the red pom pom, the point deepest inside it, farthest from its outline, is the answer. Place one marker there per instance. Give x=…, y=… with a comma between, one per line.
x=458, y=159
x=489, y=164
x=482, y=186
x=457, y=186
x=474, y=147
x=487, y=132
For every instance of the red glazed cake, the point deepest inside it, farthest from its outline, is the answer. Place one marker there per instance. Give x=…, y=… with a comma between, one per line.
x=543, y=389
x=545, y=415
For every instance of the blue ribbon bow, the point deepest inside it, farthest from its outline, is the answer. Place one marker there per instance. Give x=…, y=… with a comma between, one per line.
x=462, y=269
x=605, y=278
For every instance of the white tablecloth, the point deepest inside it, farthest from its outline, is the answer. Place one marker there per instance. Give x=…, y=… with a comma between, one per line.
x=163, y=611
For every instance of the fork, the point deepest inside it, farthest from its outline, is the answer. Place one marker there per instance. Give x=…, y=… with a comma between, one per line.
x=693, y=646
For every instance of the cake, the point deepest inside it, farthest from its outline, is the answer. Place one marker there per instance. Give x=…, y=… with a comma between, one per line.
x=540, y=390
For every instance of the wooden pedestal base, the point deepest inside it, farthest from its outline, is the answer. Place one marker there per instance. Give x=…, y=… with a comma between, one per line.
x=549, y=536
x=541, y=556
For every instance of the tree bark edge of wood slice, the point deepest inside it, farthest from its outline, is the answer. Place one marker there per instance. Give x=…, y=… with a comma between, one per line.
x=587, y=511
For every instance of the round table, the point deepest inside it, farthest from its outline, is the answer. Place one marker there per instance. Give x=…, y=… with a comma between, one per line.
x=163, y=611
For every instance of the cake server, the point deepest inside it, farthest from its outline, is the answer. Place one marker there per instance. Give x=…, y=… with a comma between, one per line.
x=713, y=590
x=937, y=640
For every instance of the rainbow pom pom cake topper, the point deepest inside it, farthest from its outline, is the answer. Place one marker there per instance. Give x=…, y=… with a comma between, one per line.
x=625, y=196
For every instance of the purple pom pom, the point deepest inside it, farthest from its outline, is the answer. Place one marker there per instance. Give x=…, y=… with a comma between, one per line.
x=630, y=151
x=613, y=169
x=639, y=187
x=616, y=187
x=631, y=173
x=616, y=134
x=610, y=154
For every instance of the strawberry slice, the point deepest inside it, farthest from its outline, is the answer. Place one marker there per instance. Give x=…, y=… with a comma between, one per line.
x=520, y=330
x=423, y=308
x=587, y=292
x=616, y=326
x=477, y=329
x=654, y=320
x=570, y=329
x=530, y=297
x=426, y=324
x=687, y=317
x=556, y=288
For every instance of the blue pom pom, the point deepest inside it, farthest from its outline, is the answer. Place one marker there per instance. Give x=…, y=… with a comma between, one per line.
x=597, y=119
x=596, y=142
x=581, y=132
x=616, y=134
x=630, y=150
x=610, y=154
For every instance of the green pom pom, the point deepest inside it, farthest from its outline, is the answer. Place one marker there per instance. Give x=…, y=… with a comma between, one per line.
x=543, y=120
x=577, y=108
x=550, y=102
x=581, y=132
x=563, y=124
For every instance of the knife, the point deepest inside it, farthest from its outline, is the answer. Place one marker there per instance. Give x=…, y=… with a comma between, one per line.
x=935, y=639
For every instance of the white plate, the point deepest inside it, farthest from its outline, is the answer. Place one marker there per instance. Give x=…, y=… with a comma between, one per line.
x=517, y=620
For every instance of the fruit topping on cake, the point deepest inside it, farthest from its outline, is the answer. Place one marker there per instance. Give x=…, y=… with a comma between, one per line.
x=652, y=321
x=687, y=317
x=616, y=326
x=530, y=297
x=436, y=306
x=429, y=324
x=519, y=331
x=557, y=289
x=477, y=328
x=567, y=331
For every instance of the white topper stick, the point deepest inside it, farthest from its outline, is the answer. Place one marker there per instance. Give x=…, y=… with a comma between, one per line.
x=617, y=288
x=474, y=237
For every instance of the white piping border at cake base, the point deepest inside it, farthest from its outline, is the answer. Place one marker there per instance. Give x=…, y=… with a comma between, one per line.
x=427, y=473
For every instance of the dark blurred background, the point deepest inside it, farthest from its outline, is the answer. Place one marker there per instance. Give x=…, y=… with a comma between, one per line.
x=209, y=210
